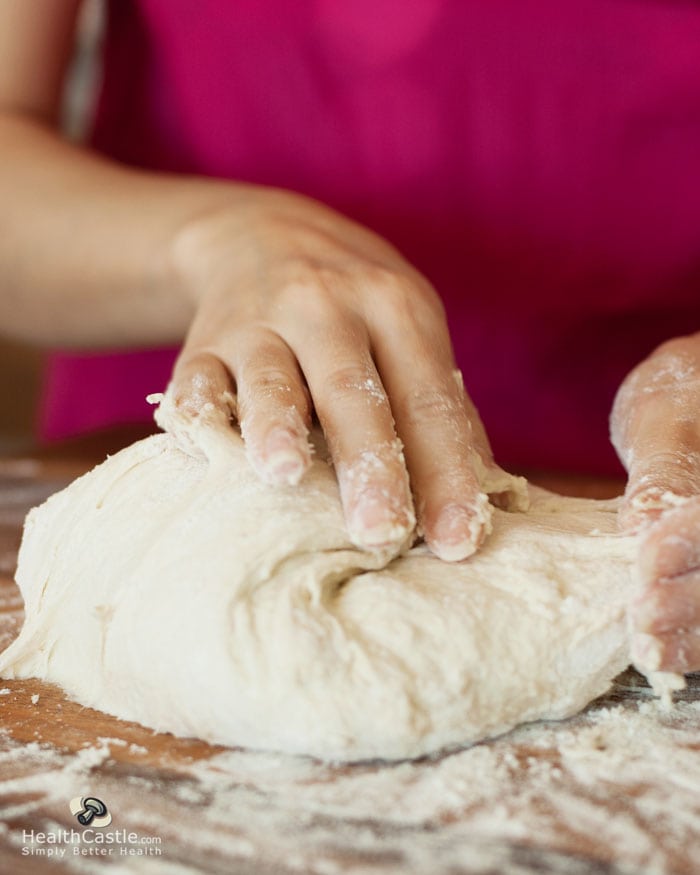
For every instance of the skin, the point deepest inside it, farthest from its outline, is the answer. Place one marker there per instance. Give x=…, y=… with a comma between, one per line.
x=298, y=312
x=284, y=302
x=328, y=317
x=656, y=432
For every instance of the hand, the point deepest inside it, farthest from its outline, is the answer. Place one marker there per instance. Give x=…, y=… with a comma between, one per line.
x=302, y=310
x=656, y=430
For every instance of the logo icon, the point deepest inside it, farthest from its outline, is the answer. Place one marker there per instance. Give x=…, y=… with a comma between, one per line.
x=90, y=811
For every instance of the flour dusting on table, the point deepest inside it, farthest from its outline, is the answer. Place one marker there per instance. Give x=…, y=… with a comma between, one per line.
x=619, y=784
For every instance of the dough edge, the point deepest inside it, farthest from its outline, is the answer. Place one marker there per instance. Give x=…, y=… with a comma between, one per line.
x=298, y=711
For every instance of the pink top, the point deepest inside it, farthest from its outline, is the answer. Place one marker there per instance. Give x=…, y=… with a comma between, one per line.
x=538, y=161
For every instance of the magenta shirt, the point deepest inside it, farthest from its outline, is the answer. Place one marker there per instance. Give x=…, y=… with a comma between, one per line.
x=538, y=161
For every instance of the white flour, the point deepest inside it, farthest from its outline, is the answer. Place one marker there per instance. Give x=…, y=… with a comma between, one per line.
x=619, y=785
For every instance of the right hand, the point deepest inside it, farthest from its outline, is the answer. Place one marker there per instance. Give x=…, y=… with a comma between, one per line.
x=299, y=309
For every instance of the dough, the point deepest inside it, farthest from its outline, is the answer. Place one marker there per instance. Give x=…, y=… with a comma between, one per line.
x=171, y=587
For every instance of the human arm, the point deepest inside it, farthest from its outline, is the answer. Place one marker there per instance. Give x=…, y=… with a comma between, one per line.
x=281, y=299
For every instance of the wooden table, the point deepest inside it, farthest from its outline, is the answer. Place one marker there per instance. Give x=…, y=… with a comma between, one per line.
x=615, y=790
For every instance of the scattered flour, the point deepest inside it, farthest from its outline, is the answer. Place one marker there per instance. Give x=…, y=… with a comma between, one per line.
x=618, y=786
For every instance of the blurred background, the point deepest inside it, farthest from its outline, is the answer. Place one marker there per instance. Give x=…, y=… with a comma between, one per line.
x=21, y=366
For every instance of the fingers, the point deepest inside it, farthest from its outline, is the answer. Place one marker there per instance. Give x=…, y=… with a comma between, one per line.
x=655, y=428
x=431, y=418
x=665, y=619
x=272, y=405
x=199, y=396
x=354, y=412
x=274, y=408
x=453, y=512
x=201, y=383
x=199, y=379
x=387, y=400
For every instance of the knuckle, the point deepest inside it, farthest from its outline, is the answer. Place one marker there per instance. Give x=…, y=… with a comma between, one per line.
x=406, y=293
x=349, y=379
x=308, y=282
x=267, y=377
x=199, y=379
x=303, y=294
x=313, y=303
x=270, y=382
x=391, y=283
x=270, y=387
x=429, y=403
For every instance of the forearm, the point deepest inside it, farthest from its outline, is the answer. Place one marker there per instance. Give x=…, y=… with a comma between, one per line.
x=86, y=244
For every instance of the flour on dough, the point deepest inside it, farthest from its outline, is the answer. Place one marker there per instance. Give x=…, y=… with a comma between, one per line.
x=171, y=587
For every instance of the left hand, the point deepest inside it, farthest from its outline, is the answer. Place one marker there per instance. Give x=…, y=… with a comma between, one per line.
x=655, y=428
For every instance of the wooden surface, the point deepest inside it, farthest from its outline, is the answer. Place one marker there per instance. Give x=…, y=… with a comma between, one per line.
x=615, y=790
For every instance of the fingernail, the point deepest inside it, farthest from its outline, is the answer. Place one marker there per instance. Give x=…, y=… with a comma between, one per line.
x=286, y=458
x=374, y=522
x=454, y=536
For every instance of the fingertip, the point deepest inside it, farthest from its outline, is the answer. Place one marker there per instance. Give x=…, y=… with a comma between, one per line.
x=286, y=468
x=282, y=457
x=455, y=552
x=379, y=518
x=199, y=395
x=376, y=496
x=460, y=529
x=384, y=533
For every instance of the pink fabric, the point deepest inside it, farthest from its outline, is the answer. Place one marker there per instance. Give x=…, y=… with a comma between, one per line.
x=90, y=391
x=539, y=161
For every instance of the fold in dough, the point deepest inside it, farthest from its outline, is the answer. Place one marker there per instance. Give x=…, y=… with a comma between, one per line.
x=171, y=587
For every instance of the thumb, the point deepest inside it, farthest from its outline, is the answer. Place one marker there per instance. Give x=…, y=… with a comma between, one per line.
x=654, y=428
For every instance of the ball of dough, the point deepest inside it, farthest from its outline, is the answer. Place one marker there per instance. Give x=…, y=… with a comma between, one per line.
x=171, y=587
